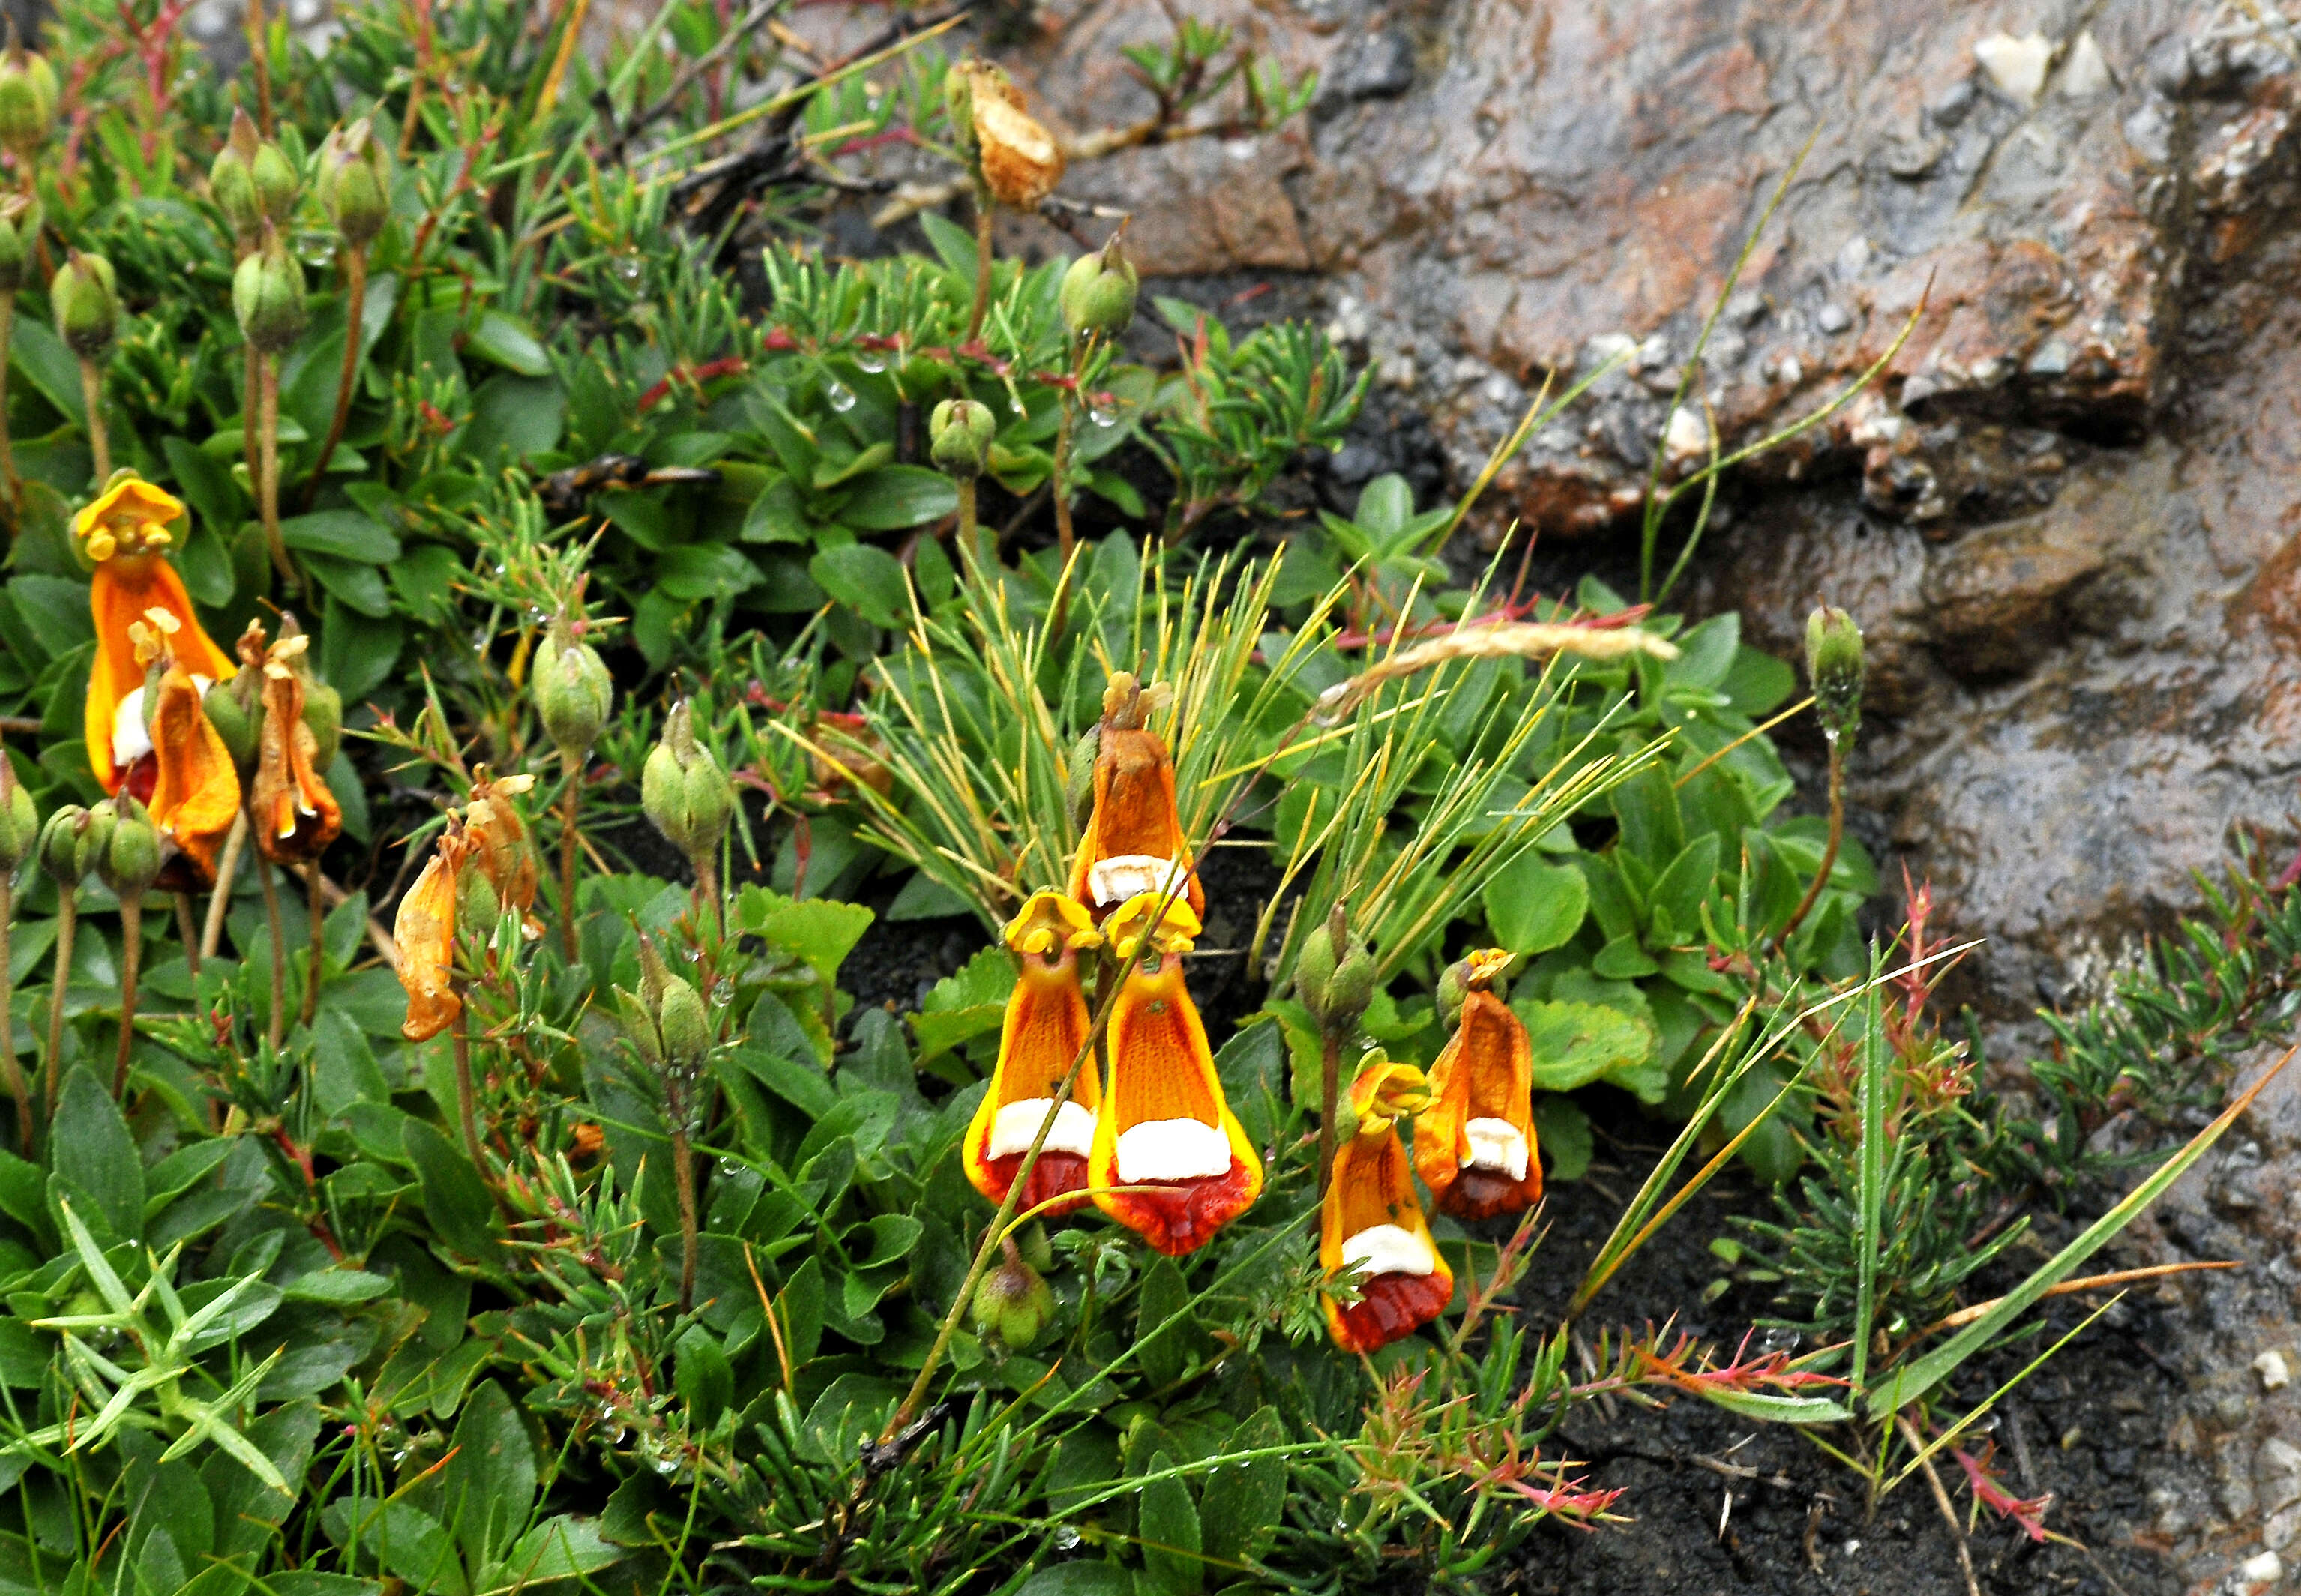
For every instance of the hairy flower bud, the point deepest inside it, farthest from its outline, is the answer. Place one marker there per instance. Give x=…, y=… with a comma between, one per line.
x=1834, y=665
x=231, y=181
x=20, y=822
x=85, y=294
x=665, y=1019
x=131, y=859
x=267, y=295
x=1097, y=292
x=69, y=842
x=684, y=790
x=574, y=693
x=355, y=182
x=276, y=184
x=21, y=220
x=28, y=99
x=1014, y=1303
x=1334, y=975
x=959, y=433
x=1480, y=972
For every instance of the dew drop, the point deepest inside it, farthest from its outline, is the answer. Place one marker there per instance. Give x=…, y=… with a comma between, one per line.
x=316, y=247
x=873, y=361
x=842, y=397
x=1102, y=416
x=722, y=992
x=1067, y=1539
x=628, y=268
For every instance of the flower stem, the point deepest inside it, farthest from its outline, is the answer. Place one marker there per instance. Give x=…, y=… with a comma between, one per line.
x=67, y=923
x=276, y=1023
x=259, y=54
x=318, y=914
x=467, y=1119
x=1836, y=835
x=99, y=441
x=251, y=391
x=1066, y=537
x=966, y=517
x=985, y=209
x=267, y=444
x=9, y=1068
x=131, y=965
x=227, y=868
x=682, y=1168
x=355, y=312
x=568, y=837
x=187, y=926
x=1330, y=1069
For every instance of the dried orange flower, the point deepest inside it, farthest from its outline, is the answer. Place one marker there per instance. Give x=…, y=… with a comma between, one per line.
x=295, y=815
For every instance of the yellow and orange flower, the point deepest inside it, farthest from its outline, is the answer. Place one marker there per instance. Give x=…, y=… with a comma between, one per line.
x=295, y=815
x=1475, y=1145
x=1170, y=1160
x=124, y=534
x=500, y=845
x=1371, y=1225
x=194, y=793
x=1134, y=841
x=1045, y=1027
x=426, y=930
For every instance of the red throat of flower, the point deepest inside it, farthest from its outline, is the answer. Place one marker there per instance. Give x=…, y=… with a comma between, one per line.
x=1474, y=1146
x=1171, y=1161
x=1046, y=1025
x=1371, y=1227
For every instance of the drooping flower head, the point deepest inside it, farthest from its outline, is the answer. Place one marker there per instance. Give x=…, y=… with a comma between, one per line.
x=193, y=792
x=503, y=854
x=297, y=815
x=1133, y=842
x=1370, y=1225
x=1045, y=1027
x=1170, y=1160
x=426, y=930
x=1475, y=1146
x=125, y=535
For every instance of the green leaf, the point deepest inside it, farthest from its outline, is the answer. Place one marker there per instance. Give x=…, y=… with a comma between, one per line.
x=407, y=1540
x=455, y=1199
x=1757, y=683
x=694, y=572
x=1240, y=1504
x=347, y=534
x=354, y=586
x=516, y=416
x=1677, y=898
x=490, y=1482
x=894, y=497
x=800, y=1083
x=563, y=1547
x=1576, y=1043
x=1532, y=906
x=819, y=931
x=336, y=1285
x=1171, y=1545
x=1086, y=1577
x=94, y=1154
x=703, y=1377
x=965, y=1004
x=1704, y=655
x=866, y=580
x=505, y=340
x=38, y=353
x=357, y=652
x=1563, y=1133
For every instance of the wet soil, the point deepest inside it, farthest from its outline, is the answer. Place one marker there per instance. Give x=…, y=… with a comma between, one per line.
x=1723, y=1505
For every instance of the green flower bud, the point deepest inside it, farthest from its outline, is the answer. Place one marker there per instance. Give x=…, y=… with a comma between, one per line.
x=130, y=861
x=684, y=791
x=1015, y=1304
x=1483, y=971
x=21, y=221
x=960, y=432
x=267, y=295
x=1335, y=975
x=231, y=183
x=240, y=725
x=1097, y=292
x=273, y=177
x=574, y=693
x=1037, y=1250
x=85, y=296
x=355, y=182
x=20, y=822
x=28, y=99
x=69, y=842
x=1834, y=665
x=324, y=705
x=665, y=1019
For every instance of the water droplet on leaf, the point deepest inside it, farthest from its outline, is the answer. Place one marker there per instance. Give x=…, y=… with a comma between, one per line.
x=841, y=396
x=873, y=361
x=316, y=247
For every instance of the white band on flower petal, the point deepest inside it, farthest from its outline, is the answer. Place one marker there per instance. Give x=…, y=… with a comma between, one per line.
x=1389, y=1250
x=1017, y=1126
x=130, y=741
x=1495, y=1144
x=1172, y=1149
x=1123, y=876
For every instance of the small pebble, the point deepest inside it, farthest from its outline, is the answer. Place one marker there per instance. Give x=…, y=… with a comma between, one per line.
x=2271, y=1367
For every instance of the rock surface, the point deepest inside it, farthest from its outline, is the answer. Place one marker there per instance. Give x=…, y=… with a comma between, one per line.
x=2065, y=512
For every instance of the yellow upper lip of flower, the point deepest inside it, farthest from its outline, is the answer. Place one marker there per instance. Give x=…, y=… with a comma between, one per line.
x=131, y=517
x=1386, y=1092
x=1483, y=966
x=1050, y=921
x=1138, y=919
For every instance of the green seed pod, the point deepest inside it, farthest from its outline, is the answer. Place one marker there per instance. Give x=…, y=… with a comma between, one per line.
x=1335, y=975
x=273, y=177
x=231, y=183
x=65, y=847
x=1015, y=1304
x=20, y=238
x=665, y=1019
x=28, y=100
x=573, y=692
x=267, y=295
x=684, y=790
x=85, y=296
x=960, y=432
x=355, y=182
x=20, y=822
x=242, y=732
x=1834, y=664
x=1097, y=292
x=130, y=861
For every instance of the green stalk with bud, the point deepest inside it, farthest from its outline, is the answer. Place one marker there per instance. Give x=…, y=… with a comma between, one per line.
x=127, y=864
x=85, y=294
x=20, y=233
x=1098, y=304
x=1014, y=1303
x=1835, y=667
x=1334, y=976
x=958, y=439
x=19, y=835
x=670, y=1029
x=356, y=188
x=573, y=697
x=690, y=800
x=267, y=295
x=27, y=112
x=70, y=845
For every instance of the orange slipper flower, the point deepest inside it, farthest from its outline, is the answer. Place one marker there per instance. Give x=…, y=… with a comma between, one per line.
x=1475, y=1146
x=1046, y=1026
x=124, y=534
x=1133, y=842
x=195, y=787
x=500, y=845
x=1371, y=1228
x=1170, y=1160
x=426, y=930
x=295, y=815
